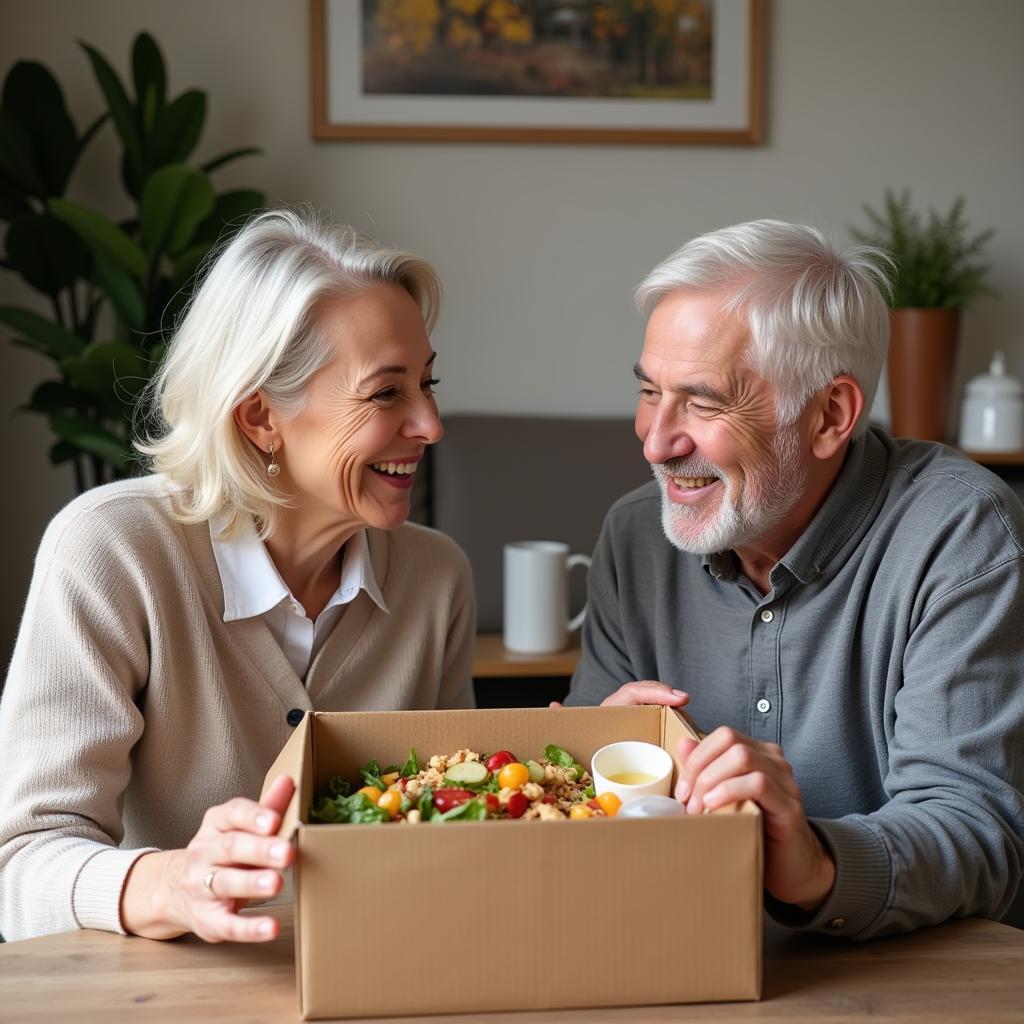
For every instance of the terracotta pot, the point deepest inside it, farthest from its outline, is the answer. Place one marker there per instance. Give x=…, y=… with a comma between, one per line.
x=922, y=355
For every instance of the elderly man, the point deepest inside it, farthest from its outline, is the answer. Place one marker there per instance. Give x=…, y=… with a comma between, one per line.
x=841, y=612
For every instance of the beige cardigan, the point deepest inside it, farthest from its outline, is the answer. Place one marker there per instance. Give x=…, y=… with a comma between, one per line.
x=131, y=706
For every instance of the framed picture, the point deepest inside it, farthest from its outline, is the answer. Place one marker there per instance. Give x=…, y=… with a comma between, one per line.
x=644, y=71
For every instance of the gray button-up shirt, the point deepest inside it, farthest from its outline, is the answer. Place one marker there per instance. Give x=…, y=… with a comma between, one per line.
x=887, y=660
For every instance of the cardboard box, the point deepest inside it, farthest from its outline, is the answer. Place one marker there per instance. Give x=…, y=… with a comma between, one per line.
x=507, y=915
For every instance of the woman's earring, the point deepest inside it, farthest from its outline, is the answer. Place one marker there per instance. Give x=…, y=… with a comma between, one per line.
x=272, y=467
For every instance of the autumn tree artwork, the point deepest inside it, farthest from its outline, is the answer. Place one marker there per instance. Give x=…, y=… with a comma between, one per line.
x=628, y=49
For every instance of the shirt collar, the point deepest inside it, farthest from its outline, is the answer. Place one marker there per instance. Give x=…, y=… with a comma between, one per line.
x=841, y=513
x=252, y=585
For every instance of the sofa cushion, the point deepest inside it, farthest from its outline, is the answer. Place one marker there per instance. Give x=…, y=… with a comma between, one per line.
x=495, y=479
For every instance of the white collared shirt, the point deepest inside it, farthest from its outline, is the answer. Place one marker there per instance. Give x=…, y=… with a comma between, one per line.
x=253, y=587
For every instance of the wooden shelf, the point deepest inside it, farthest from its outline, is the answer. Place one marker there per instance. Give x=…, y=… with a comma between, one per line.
x=997, y=458
x=492, y=661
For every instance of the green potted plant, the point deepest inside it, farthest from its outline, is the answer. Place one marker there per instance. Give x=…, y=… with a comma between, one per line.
x=935, y=272
x=112, y=289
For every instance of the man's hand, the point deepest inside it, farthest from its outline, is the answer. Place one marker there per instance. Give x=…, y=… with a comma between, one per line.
x=646, y=691
x=727, y=767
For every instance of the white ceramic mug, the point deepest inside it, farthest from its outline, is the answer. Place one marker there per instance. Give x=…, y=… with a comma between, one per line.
x=536, y=596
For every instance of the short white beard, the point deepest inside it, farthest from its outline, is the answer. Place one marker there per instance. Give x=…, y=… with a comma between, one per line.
x=769, y=495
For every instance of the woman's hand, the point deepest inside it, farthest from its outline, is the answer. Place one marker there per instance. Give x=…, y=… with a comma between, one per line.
x=645, y=691
x=727, y=767
x=233, y=858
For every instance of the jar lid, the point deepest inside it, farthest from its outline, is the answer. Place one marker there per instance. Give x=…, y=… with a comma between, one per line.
x=997, y=383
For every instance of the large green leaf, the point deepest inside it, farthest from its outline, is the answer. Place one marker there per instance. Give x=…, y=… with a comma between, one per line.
x=175, y=202
x=44, y=335
x=123, y=292
x=178, y=129
x=55, y=396
x=63, y=451
x=113, y=372
x=121, y=110
x=230, y=210
x=187, y=262
x=13, y=202
x=46, y=252
x=91, y=437
x=225, y=158
x=102, y=236
x=150, y=80
x=16, y=160
x=35, y=100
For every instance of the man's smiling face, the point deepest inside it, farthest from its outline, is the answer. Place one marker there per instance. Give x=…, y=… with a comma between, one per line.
x=727, y=472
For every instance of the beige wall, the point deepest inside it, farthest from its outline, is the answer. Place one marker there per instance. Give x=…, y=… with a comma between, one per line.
x=540, y=246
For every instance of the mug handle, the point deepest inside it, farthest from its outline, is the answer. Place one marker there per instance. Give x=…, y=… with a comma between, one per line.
x=577, y=620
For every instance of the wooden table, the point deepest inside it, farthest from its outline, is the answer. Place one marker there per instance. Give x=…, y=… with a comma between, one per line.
x=493, y=661
x=968, y=970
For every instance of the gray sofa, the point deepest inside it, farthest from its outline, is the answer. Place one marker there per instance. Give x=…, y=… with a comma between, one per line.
x=495, y=479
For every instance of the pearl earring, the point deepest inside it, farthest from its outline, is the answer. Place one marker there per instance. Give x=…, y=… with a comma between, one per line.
x=272, y=467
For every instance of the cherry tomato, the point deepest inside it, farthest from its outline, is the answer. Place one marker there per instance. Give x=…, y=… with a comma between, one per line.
x=446, y=799
x=580, y=811
x=493, y=804
x=372, y=793
x=513, y=776
x=517, y=805
x=609, y=803
x=499, y=759
x=391, y=801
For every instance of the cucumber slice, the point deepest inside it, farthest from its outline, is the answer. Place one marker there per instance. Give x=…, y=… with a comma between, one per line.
x=536, y=771
x=470, y=773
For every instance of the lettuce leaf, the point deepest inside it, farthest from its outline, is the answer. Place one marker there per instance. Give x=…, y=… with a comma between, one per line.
x=563, y=759
x=558, y=756
x=471, y=810
x=426, y=804
x=411, y=767
x=356, y=809
x=371, y=773
x=339, y=786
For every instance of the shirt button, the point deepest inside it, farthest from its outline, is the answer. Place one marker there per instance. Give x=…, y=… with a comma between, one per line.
x=294, y=607
x=837, y=922
x=767, y=615
x=295, y=716
x=764, y=706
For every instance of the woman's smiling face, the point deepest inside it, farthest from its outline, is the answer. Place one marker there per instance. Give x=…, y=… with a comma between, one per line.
x=352, y=452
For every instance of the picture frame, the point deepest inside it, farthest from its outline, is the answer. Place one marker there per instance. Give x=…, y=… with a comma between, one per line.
x=345, y=50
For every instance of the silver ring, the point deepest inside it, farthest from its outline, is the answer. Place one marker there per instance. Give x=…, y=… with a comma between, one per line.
x=208, y=882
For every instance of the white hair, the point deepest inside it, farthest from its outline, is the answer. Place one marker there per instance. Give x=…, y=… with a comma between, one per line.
x=814, y=309
x=253, y=326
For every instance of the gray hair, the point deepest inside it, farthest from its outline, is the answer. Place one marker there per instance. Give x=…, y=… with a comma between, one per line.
x=815, y=310
x=253, y=325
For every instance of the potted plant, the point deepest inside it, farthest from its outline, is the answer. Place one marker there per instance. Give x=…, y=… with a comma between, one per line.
x=935, y=272
x=113, y=289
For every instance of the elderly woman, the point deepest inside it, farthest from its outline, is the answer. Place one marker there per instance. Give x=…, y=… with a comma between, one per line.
x=178, y=625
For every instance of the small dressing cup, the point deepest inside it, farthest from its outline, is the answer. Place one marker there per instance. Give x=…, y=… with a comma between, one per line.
x=631, y=768
x=653, y=807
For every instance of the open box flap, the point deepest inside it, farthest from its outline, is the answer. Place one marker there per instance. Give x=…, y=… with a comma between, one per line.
x=677, y=725
x=295, y=760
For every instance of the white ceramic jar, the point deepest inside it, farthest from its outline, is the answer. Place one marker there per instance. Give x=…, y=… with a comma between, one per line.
x=992, y=414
